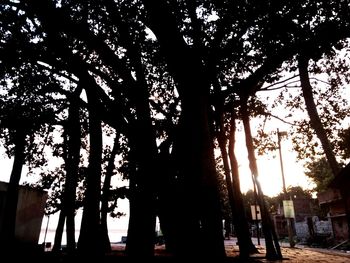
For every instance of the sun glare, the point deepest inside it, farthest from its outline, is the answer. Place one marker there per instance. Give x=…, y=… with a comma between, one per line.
x=269, y=168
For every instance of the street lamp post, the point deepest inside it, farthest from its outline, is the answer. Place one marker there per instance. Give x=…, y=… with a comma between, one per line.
x=289, y=221
x=279, y=135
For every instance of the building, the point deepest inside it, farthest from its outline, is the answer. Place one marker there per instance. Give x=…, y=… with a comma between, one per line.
x=30, y=212
x=336, y=200
x=305, y=223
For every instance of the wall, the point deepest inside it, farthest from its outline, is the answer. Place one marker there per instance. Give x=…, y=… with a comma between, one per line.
x=30, y=212
x=321, y=227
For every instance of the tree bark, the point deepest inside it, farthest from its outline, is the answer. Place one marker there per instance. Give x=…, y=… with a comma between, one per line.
x=89, y=242
x=8, y=224
x=315, y=120
x=57, y=245
x=240, y=222
x=144, y=183
x=236, y=191
x=106, y=195
x=273, y=250
x=73, y=134
x=200, y=196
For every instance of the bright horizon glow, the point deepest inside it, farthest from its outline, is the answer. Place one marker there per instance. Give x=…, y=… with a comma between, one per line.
x=269, y=168
x=269, y=173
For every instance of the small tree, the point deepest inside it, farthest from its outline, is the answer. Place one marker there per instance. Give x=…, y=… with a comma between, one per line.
x=320, y=173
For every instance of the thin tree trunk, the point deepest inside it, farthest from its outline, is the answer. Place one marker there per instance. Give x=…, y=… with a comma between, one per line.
x=316, y=123
x=315, y=120
x=234, y=193
x=57, y=245
x=241, y=215
x=273, y=250
x=72, y=139
x=243, y=241
x=106, y=195
x=8, y=224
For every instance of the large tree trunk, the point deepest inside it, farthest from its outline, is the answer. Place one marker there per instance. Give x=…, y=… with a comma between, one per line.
x=273, y=250
x=143, y=185
x=167, y=196
x=200, y=179
x=72, y=167
x=8, y=224
x=200, y=197
x=183, y=200
x=89, y=242
x=315, y=120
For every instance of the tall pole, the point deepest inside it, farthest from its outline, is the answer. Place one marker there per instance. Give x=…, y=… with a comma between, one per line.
x=256, y=213
x=279, y=134
x=289, y=221
x=47, y=226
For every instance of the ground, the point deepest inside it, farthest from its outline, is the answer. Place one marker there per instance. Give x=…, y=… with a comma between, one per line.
x=290, y=255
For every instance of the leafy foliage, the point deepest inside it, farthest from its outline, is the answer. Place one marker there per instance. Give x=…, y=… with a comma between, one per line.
x=320, y=172
x=146, y=79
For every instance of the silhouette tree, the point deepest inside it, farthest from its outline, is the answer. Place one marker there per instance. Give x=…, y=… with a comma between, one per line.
x=24, y=116
x=144, y=60
x=226, y=141
x=71, y=156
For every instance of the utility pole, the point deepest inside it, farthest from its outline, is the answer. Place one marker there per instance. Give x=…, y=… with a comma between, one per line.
x=289, y=220
x=256, y=214
x=47, y=226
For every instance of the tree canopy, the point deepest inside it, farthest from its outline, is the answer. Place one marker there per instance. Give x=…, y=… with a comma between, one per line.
x=170, y=79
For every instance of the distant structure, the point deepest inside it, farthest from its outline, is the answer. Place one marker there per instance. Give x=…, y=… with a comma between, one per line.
x=337, y=202
x=306, y=224
x=30, y=212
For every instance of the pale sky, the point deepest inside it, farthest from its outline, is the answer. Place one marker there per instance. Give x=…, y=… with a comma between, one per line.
x=270, y=179
x=269, y=169
x=270, y=175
